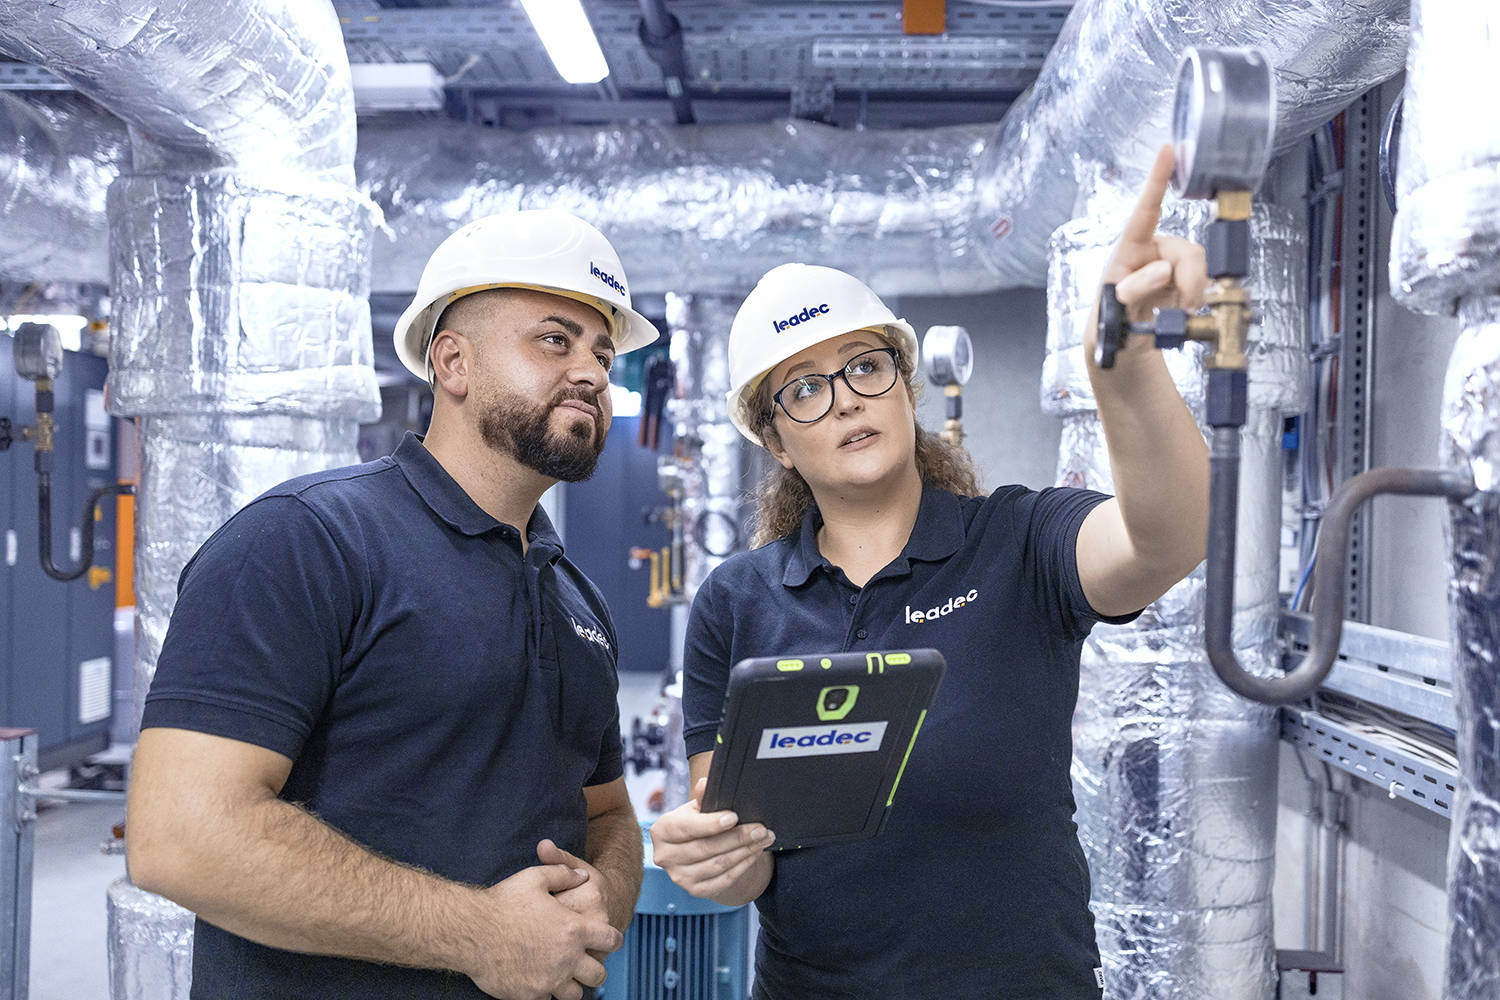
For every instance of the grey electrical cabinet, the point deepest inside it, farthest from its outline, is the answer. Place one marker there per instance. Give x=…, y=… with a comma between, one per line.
x=56, y=654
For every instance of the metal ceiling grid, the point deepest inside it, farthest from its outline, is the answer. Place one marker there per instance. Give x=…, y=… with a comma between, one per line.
x=730, y=48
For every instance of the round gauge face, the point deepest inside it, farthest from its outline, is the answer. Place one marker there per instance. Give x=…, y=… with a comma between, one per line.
x=1223, y=121
x=948, y=355
x=1187, y=119
x=963, y=357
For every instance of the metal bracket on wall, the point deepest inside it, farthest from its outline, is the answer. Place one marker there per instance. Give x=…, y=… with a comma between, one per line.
x=1397, y=773
x=18, y=748
x=1361, y=193
x=1409, y=673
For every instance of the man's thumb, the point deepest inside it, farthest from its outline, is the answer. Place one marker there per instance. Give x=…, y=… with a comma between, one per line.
x=561, y=878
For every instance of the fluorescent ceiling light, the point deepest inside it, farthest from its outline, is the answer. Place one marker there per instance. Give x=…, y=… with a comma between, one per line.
x=565, y=31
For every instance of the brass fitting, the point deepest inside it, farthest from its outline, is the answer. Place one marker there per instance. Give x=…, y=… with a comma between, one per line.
x=953, y=428
x=1230, y=318
x=1233, y=206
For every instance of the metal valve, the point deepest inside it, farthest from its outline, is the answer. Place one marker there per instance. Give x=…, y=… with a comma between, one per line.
x=1169, y=332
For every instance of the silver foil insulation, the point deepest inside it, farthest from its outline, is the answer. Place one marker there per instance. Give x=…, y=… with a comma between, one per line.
x=1445, y=259
x=58, y=155
x=699, y=329
x=234, y=297
x=707, y=209
x=204, y=84
x=151, y=945
x=1446, y=237
x=239, y=260
x=957, y=210
x=1471, y=439
x=1174, y=775
x=1104, y=98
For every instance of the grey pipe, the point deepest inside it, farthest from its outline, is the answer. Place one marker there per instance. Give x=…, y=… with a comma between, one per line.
x=1328, y=575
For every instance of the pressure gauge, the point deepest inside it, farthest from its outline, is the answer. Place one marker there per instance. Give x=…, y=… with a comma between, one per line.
x=947, y=355
x=37, y=351
x=1223, y=121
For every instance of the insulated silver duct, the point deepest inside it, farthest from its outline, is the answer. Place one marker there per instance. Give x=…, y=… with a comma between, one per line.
x=151, y=945
x=239, y=254
x=1174, y=775
x=1471, y=440
x=1445, y=258
x=708, y=444
x=204, y=84
x=1104, y=98
x=1446, y=237
x=958, y=210
x=707, y=208
x=707, y=457
x=58, y=155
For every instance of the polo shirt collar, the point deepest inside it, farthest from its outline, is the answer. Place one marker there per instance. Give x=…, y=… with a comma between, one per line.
x=448, y=500
x=938, y=534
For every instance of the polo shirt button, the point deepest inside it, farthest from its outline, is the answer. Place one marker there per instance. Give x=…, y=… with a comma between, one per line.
x=862, y=634
x=853, y=598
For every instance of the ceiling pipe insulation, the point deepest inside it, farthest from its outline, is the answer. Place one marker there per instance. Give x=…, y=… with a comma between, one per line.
x=956, y=210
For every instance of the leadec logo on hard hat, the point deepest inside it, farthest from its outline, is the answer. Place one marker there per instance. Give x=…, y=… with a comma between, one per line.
x=802, y=317
x=607, y=278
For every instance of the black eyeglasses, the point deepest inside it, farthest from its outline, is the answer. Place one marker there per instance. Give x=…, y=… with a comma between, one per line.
x=808, y=398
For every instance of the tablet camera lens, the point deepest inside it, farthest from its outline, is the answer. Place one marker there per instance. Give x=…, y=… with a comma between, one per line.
x=834, y=700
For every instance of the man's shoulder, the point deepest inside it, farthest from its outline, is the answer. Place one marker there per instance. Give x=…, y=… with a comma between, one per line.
x=324, y=506
x=349, y=482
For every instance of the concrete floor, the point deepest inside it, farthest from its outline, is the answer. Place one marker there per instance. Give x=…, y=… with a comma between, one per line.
x=68, y=930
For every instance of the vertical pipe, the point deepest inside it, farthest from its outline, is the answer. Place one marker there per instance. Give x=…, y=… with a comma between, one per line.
x=1471, y=440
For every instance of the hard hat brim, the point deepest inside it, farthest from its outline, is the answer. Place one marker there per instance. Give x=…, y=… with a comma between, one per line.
x=629, y=330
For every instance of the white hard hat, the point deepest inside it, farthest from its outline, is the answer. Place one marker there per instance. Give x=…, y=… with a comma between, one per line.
x=791, y=308
x=543, y=249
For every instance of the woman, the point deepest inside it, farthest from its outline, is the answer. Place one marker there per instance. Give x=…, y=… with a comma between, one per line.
x=977, y=887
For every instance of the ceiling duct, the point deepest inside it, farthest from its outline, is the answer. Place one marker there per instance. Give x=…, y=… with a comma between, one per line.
x=956, y=210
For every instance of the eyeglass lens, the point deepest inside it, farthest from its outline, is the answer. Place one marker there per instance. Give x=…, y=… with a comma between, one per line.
x=808, y=398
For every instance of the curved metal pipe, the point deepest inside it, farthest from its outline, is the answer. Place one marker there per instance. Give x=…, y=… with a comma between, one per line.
x=1333, y=544
x=86, y=543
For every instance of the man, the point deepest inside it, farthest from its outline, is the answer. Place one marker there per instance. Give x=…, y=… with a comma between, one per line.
x=381, y=754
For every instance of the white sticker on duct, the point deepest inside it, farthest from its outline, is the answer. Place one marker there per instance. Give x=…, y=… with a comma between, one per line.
x=10, y=546
x=93, y=689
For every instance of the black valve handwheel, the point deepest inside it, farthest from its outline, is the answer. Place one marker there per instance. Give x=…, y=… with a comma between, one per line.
x=1113, y=326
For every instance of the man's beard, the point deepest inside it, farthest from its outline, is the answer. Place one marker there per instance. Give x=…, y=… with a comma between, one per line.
x=517, y=429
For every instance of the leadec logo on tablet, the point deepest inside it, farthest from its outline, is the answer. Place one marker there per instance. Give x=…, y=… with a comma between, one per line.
x=812, y=741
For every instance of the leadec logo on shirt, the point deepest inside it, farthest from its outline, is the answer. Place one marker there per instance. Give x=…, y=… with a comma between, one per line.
x=590, y=634
x=949, y=606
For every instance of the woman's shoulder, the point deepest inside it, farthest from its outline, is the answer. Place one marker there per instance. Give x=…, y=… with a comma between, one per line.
x=767, y=562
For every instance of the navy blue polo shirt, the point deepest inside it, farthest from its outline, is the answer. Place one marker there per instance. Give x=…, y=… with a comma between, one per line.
x=444, y=698
x=977, y=887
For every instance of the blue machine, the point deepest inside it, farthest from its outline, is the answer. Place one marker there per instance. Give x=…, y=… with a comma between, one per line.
x=680, y=947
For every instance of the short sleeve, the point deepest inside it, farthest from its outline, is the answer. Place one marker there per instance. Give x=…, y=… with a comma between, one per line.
x=705, y=671
x=254, y=648
x=1054, y=518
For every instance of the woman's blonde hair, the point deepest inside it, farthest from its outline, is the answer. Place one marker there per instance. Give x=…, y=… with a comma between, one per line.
x=783, y=498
